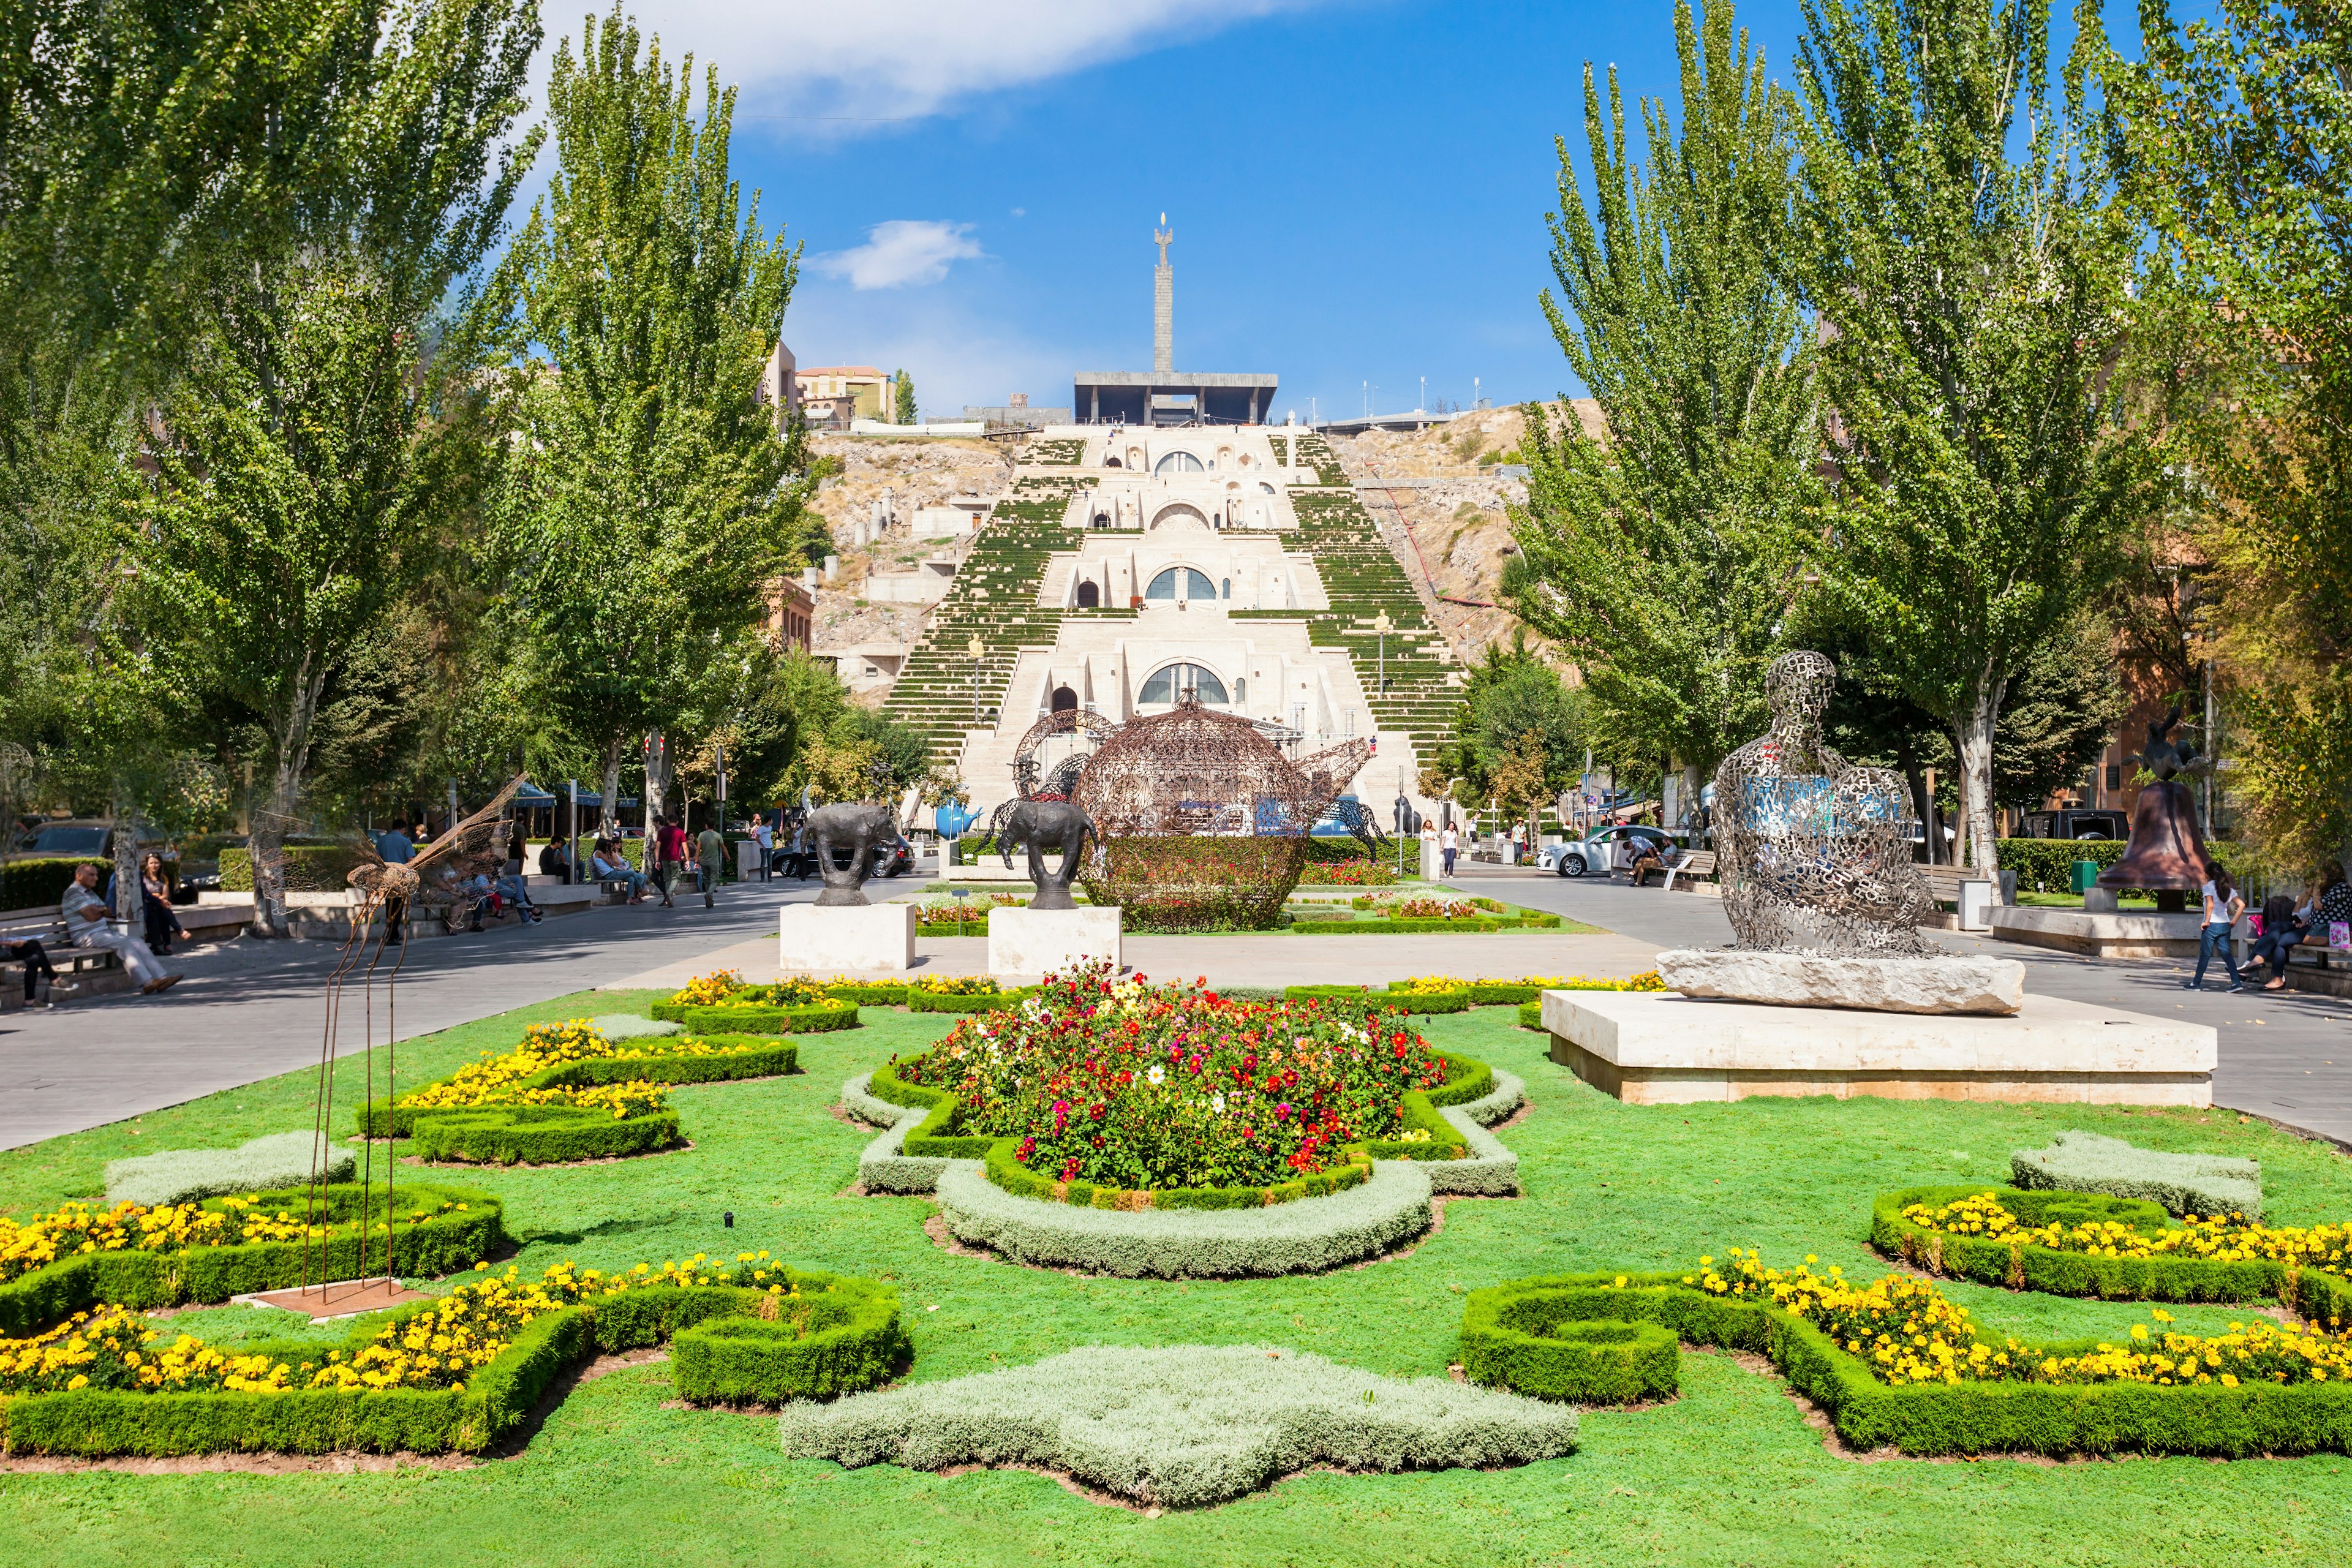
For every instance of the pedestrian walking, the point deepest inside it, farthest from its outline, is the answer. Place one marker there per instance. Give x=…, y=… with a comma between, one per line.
x=2222, y=907
x=764, y=835
x=712, y=851
x=398, y=849
x=1448, y=842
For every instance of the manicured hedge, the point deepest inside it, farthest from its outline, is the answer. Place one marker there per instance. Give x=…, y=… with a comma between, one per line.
x=309, y=867
x=2021, y=1267
x=1531, y=1016
x=816, y=1018
x=559, y=1135
x=935, y=1136
x=921, y=1001
x=875, y=995
x=725, y=1349
x=33, y=884
x=1531, y=1341
x=1427, y=1003
x=1419, y=927
x=443, y=1242
x=1967, y=1417
x=1017, y=1179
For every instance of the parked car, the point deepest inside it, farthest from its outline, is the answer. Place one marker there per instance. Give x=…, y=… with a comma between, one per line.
x=894, y=861
x=2077, y=825
x=92, y=838
x=1603, y=851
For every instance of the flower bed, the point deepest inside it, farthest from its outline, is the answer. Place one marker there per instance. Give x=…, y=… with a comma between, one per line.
x=1127, y=1085
x=57, y=1264
x=451, y=1374
x=955, y=916
x=721, y=1003
x=1394, y=914
x=1896, y=1361
x=567, y=1093
x=1444, y=993
x=2086, y=1244
x=1346, y=874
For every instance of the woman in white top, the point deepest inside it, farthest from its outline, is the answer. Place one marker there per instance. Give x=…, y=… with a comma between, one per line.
x=2223, y=908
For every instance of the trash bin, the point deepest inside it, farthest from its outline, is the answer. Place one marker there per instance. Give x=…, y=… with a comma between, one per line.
x=2086, y=875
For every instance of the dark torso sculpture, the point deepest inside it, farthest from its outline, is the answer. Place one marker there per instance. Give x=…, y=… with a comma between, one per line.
x=1038, y=824
x=860, y=829
x=1814, y=854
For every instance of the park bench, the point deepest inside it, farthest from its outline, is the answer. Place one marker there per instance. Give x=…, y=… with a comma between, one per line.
x=43, y=925
x=1693, y=865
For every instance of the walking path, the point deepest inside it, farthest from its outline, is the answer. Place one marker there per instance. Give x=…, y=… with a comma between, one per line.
x=252, y=1010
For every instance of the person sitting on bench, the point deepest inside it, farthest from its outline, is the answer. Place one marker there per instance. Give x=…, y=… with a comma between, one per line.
x=86, y=918
x=610, y=867
x=40, y=973
x=1648, y=858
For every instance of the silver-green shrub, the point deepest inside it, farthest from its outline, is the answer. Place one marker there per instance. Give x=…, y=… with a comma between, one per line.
x=2184, y=1184
x=1305, y=1235
x=1490, y=1171
x=631, y=1026
x=1183, y=1426
x=183, y=1175
x=883, y=1167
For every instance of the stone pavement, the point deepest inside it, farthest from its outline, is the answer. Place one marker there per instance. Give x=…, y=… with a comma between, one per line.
x=250, y=1010
x=2286, y=1055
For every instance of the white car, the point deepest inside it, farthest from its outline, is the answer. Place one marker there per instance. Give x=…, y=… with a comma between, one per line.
x=1604, y=851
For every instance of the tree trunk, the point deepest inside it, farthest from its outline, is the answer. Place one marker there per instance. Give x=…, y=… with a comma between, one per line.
x=1907, y=759
x=656, y=778
x=128, y=831
x=612, y=828
x=267, y=843
x=1694, y=781
x=1973, y=738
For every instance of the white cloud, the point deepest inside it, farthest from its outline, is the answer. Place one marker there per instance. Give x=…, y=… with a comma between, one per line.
x=838, y=66
x=900, y=252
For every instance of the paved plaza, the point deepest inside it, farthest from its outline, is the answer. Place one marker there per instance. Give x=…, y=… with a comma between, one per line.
x=252, y=1010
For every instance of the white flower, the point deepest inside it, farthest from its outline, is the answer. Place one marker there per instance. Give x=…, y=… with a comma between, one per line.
x=1155, y=1075
x=1217, y=1103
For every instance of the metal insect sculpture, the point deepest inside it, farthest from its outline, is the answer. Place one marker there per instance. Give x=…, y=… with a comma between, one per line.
x=387, y=893
x=1814, y=854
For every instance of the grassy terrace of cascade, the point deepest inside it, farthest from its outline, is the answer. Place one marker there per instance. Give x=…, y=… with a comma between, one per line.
x=1728, y=1471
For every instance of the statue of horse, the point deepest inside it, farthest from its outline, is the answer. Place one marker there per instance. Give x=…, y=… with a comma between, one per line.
x=1038, y=824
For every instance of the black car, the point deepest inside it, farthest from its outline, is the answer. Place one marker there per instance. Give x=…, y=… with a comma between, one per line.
x=2077, y=825
x=889, y=861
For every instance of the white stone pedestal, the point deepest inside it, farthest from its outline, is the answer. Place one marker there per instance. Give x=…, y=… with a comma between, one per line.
x=1664, y=1048
x=821, y=942
x=2100, y=933
x=1043, y=942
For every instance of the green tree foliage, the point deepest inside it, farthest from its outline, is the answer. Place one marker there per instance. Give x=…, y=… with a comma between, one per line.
x=1646, y=550
x=2235, y=138
x=1521, y=724
x=903, y=398
x=652, y=502
x=1956, y=235
x=301, y=451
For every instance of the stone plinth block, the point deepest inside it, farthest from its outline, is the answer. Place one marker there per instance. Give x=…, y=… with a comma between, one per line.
x=1662, y=1048
x=1046, y=941
x=818, y=941
x=1937, y=985
x=2100, y=933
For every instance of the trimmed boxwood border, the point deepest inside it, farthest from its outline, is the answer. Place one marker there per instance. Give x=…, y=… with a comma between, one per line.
x=1925, y=1419
x=815, y=1018
x=1417, y=926
x=722, y=1351
x=560, y=1134
x=1534, y=1342
x=441, y=1244
x=1022, y=1182
x=2314, y=1293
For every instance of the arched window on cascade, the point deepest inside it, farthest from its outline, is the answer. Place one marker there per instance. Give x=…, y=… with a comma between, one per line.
x=1177, y=681
x=1065, y=700
x=1267, y=488
x=1192, y=584
x=1088, y=594
x=1241, y=688
x=1177, y=463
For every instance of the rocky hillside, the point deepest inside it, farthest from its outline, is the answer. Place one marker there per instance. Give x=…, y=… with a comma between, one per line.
x=1442, y=510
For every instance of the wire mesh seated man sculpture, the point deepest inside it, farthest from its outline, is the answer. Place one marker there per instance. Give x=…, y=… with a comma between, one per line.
x=1813, y=853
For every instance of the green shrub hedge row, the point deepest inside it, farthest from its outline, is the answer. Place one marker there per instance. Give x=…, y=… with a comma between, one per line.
x=33, y=884
x=921, y=1001
x=1418, y=927
x=2318, y=1295
x=560, y=1134
x=815, y=1018
x=723, y=1350
x=443, y=1242
x=1967, y=1417
x=1531, y=1341
x=1532, y=1015
x=309, y=867
x=1022, y=1182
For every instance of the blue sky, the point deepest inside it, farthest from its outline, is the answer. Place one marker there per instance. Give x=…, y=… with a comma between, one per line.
x=1357, y=189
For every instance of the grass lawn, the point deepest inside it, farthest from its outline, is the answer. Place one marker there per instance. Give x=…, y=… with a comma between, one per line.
x=1728, y=1473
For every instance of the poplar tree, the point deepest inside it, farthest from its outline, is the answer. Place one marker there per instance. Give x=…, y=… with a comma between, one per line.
x=1648, y=550
x=303, y=452
x=1958, y=238
x=2234, y=139
x=652, y=501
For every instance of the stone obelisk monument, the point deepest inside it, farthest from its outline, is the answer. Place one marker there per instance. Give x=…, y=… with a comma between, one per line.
x=1163, y=307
